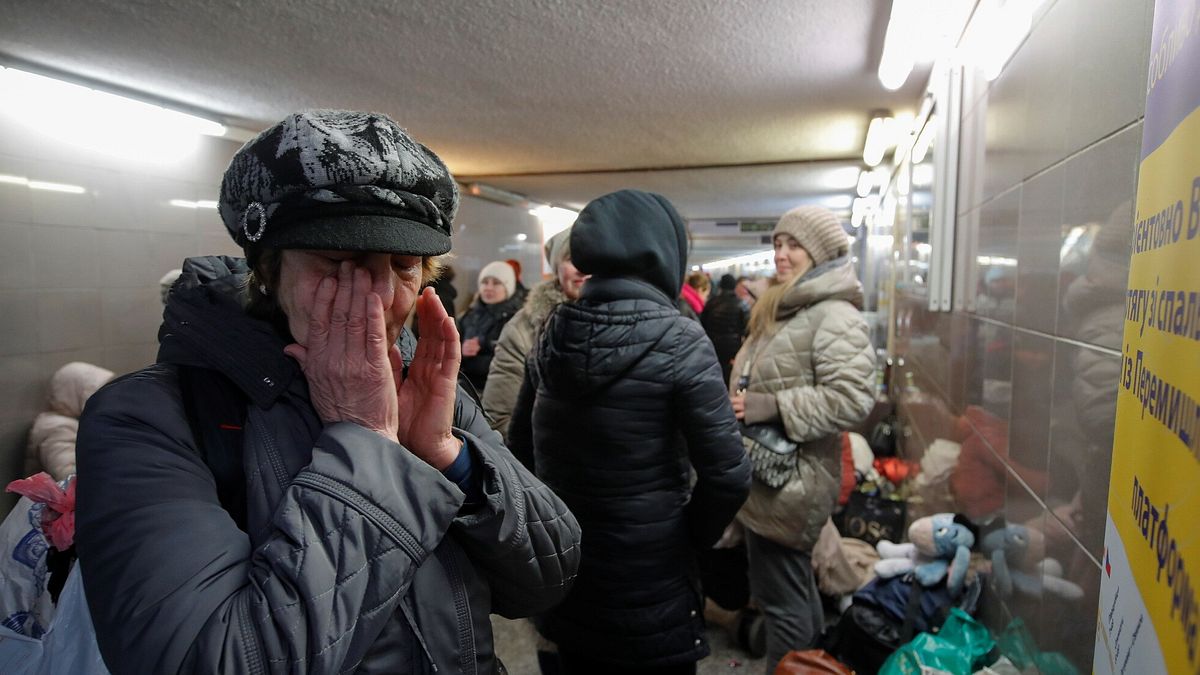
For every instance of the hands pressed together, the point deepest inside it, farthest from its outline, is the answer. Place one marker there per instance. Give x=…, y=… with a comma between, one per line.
x=355, y=372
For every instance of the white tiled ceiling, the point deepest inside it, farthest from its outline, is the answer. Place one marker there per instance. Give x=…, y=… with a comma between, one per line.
x=548, y=90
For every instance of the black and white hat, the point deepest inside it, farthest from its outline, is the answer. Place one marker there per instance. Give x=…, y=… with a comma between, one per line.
x=341, y=180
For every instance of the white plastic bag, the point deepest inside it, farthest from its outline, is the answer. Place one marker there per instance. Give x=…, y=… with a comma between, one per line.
x=67, y=646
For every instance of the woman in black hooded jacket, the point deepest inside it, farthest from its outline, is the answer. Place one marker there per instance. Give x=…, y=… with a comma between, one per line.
x=637, y=390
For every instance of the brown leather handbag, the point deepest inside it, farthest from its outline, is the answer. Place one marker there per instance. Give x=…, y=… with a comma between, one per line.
x=811, y=662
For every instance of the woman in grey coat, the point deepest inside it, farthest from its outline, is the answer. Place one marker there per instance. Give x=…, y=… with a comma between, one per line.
x=287, y=489
x=807, y=366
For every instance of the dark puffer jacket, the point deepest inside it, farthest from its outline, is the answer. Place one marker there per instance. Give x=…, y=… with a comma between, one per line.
x=635, y=391
x=484, y=321
x=724, y=319
x=356, y=556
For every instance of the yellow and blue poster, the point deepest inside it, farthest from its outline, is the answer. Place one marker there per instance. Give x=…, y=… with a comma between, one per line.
x=1150, y=581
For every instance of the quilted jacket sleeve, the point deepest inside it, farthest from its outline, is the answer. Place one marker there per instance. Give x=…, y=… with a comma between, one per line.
x=523, y=538
x=506, y=373
x=713, y=440
x=172, y=583
x=843, y=390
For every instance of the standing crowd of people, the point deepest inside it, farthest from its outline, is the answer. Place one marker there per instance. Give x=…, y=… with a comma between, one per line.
x=300, y=484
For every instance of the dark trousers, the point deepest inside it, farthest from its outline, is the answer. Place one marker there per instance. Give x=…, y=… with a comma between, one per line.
x=782, y=581
x=723, y=576
x=582, y=664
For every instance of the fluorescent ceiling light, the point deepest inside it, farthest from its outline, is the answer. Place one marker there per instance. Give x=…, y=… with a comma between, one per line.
x=901, y=43
x=759, y=258
x=99, y=120
x=554, y=219
x=187, y=204
x=55, y=187
x=881, y=135
x=919, y=31
x=996, y=261
x=43, y=185
x=998, y=29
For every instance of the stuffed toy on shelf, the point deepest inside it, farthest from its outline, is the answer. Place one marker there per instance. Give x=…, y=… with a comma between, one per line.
x=939, y=547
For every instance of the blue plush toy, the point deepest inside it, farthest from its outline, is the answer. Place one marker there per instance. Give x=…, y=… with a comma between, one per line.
x=939, y=548
x=1019, y=564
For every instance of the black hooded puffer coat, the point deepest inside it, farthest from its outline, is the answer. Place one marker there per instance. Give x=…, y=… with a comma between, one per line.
x=635, y=392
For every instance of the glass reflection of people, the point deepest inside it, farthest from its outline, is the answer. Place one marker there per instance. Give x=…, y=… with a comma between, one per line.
x=292, y=487
x=1094, y=313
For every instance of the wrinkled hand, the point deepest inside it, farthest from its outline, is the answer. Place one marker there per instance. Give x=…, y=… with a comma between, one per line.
x=426, y=397
x=346, y=360
x=738, y=401
x=470, y=347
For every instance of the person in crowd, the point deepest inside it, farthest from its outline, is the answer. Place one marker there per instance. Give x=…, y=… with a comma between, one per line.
x=522, y=332
x=808, y=366
x=745, y=292
x=493, y=307
x=375, y=519
x=724, y=319
x=635, y=392
x=51, y=444
x=165, y=283
x=520, y=291
x=692, y=295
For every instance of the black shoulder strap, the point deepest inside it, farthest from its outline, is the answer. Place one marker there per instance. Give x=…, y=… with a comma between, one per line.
x=216, y=412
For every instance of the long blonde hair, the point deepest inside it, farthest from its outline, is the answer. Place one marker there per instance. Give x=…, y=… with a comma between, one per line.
x=763, y=319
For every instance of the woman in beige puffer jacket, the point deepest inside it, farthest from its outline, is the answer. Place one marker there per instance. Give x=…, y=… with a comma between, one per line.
x=808, y=366
x=51, y=445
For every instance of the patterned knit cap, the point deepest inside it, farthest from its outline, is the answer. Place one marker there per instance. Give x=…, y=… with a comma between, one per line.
x=341, y=180
x=817, y=230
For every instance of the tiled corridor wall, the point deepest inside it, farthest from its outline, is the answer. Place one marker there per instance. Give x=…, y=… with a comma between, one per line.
x=1022, y=374
x=79, y=272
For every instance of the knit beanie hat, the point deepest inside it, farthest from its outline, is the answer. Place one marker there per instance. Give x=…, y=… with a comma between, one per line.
x=502, y=272
x=557, y=249
x=817, y=230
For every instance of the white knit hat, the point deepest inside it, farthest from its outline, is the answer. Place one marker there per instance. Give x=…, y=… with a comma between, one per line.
x=502, y=272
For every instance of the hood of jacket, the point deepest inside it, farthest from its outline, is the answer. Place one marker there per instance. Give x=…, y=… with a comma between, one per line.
x=632, y=234
x=589, y=344
x=833, y=280
x=205, y=325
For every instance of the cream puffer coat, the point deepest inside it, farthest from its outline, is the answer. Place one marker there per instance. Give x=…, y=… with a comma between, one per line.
x=507, y=371
x=51, y=446
x=815, y=375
